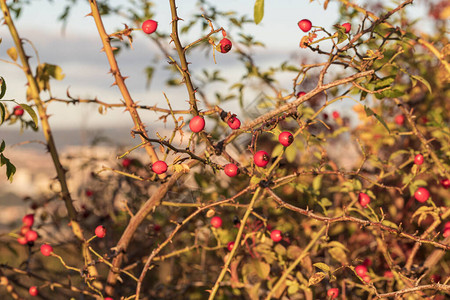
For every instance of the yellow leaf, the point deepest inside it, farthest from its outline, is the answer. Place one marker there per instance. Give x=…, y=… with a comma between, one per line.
x=12, y=52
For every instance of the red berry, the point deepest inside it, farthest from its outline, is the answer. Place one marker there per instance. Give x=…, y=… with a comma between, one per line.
x=445, y=183
x=305, y=25
x=157, y=227
x=31, y=236
x=100, y=231
x=367, y=262
x=445, y=234
x=109, y=298
x=33, y=291
x=216, y=222
x=363, y=199
x=230, y=246
x=399, y=119
x=335, y=114
x=231, y=170
x=276, y=235
x=234, y=123
x=89, y=193
x=285, y=138
x=418, y=160
x=422, y=194
x=159, y=167
x=436, y=278
x=361, y=270
x=24, y=230
x=46, y=249
x=126, y=162
x=301, y=93
x=225, y=45
x=447, y=225
x=388, y=274
x=149, y=26
x=261, y=158
x=18, y=110
x=333, y=293
x=197, y=124
x=366, y=278
x=22, y=240
x=28, y=220
x=347, y=27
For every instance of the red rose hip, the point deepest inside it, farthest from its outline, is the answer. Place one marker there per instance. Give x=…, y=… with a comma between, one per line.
x=159, y=167
x=422, y=194
x=216, y=222
x=361, y=270
x=33, y=291
x=149, y=26
x=46, y=249
x=197, y=124
x=100, y=231
x=363, y=199
x=399, y=119
x=305, y=25
x=347, y=27
x=18, y=110
x=276, y=235
x=31, y=236
x=445, y=183
x=333, y=293
x=261, y=158
x=418, y=159
x=301, y=93
x=22, y=240
x=28, y=220
x=285, y=138
x=230, y=246
x=126, y=162
x=335, y=114
x=234, y=123
x=225, y=45
x=231, y=170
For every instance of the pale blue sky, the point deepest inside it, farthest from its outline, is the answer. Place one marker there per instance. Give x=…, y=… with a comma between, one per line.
x=77, y=52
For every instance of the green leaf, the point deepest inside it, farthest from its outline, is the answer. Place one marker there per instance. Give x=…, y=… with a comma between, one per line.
x=3, y=88
x=322, y=266
x=384, y=82
x=55, y=71
x=258, y=12
x=2, y=146
x=260, y=268
x=370, y=112
x=2, y=113
x=317, y=182
x=341, y=36
x=291, y=154
x=255, y=180
x=10, y=168
x=339, y=255
x=390, y=224
x=280, y=250
x=316, y=278
x=31, y=112
x=424, y=81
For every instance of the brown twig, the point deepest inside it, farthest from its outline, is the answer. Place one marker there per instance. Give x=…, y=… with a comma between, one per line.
x=119, y=79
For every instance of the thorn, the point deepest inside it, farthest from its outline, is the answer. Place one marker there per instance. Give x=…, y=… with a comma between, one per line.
x=89, y=15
